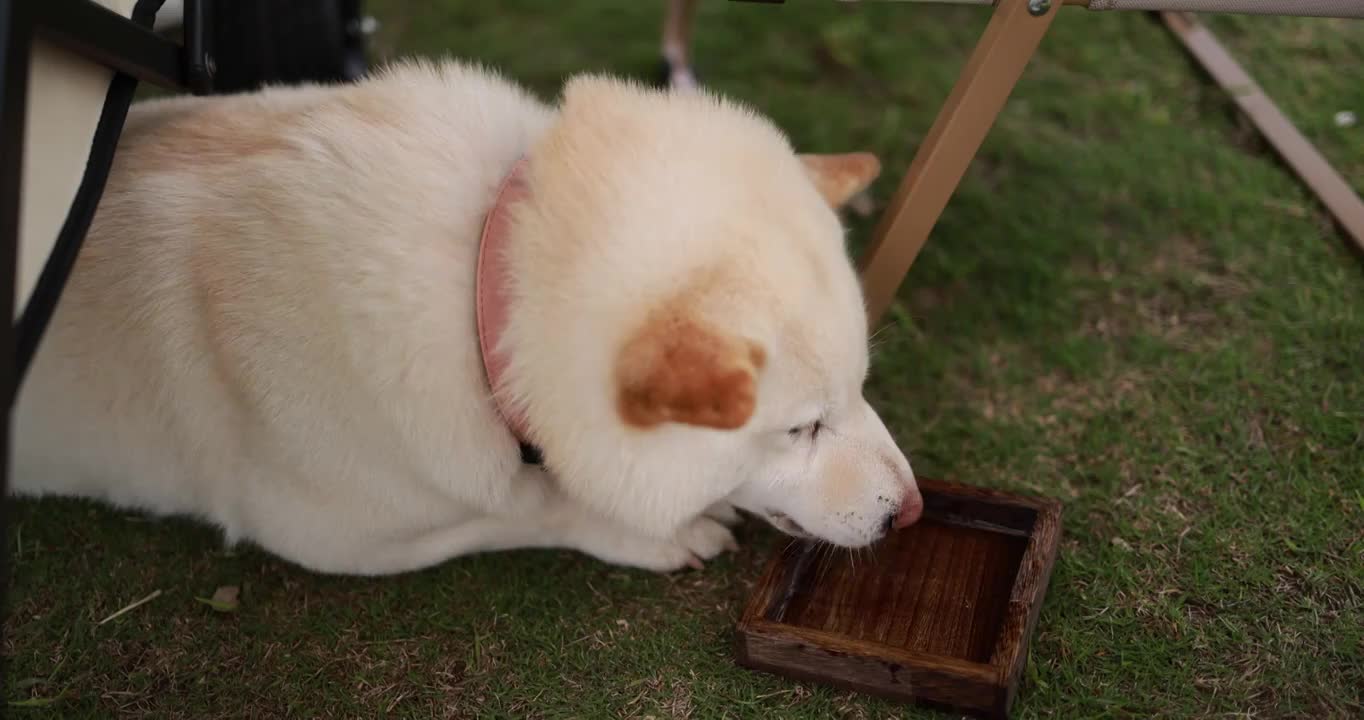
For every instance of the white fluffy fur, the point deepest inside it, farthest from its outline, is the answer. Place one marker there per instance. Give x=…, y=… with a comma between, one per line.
x=270, y=327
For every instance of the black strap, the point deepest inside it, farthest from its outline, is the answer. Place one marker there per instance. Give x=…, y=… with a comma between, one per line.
x=532, y=455
x=47, y=291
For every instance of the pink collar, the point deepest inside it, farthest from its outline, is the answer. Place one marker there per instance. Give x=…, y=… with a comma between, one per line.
x=491, y=292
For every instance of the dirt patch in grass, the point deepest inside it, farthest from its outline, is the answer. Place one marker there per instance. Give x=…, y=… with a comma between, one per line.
x=1180, y=296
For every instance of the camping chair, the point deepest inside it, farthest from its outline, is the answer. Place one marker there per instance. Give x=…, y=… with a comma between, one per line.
x=68, y=73
x=993, y=68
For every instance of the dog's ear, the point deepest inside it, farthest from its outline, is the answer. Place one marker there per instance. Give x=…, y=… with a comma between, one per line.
x=841, y=176
x=680, y=369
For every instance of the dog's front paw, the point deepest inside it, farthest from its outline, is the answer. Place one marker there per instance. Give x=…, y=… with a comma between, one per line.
x=697, y=541
x=724, y=513
x=706, y=537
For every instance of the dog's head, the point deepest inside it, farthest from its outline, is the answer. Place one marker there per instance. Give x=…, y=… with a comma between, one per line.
x=690, y=328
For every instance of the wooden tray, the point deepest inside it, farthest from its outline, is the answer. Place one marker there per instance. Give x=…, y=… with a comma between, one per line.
x=939, y=613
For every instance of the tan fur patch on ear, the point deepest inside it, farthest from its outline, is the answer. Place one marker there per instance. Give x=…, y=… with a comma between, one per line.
x=679, y=370
x=839, y=177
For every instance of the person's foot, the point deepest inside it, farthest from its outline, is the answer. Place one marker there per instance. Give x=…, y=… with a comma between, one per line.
x=677, y=76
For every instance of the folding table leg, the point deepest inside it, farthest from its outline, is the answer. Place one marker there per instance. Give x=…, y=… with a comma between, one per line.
x=1008, y=43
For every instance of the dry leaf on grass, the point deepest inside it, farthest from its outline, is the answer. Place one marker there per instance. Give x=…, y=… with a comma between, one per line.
x=225, y=599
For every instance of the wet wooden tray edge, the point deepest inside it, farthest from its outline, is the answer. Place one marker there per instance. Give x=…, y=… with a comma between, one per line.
x=982, y=689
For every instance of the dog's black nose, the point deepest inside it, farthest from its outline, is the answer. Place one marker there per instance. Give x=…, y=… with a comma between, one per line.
x=888, y=523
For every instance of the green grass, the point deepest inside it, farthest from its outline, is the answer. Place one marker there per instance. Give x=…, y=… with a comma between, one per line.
x=1129, y=305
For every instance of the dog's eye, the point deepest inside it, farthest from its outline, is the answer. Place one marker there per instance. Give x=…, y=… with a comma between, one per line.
x=811, y=428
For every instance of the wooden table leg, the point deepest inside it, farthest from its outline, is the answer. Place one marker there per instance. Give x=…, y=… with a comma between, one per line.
x=1297, y=151
x=991, y=72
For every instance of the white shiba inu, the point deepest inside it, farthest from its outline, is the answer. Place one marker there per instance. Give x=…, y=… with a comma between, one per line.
x=327, y=319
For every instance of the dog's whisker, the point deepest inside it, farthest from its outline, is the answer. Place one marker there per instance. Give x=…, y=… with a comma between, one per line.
x=826, y=555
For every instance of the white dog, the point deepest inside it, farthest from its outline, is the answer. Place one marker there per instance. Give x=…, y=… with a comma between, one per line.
x=294, y=306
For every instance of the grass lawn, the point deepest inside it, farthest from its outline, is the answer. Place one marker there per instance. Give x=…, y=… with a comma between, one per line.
x=1130, y=305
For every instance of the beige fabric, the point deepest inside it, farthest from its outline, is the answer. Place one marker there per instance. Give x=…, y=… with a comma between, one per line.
x=65, y=97
x=1300, y=8
x=171, y=14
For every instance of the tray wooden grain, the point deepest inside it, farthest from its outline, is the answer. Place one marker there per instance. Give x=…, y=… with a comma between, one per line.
x=939, y=613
